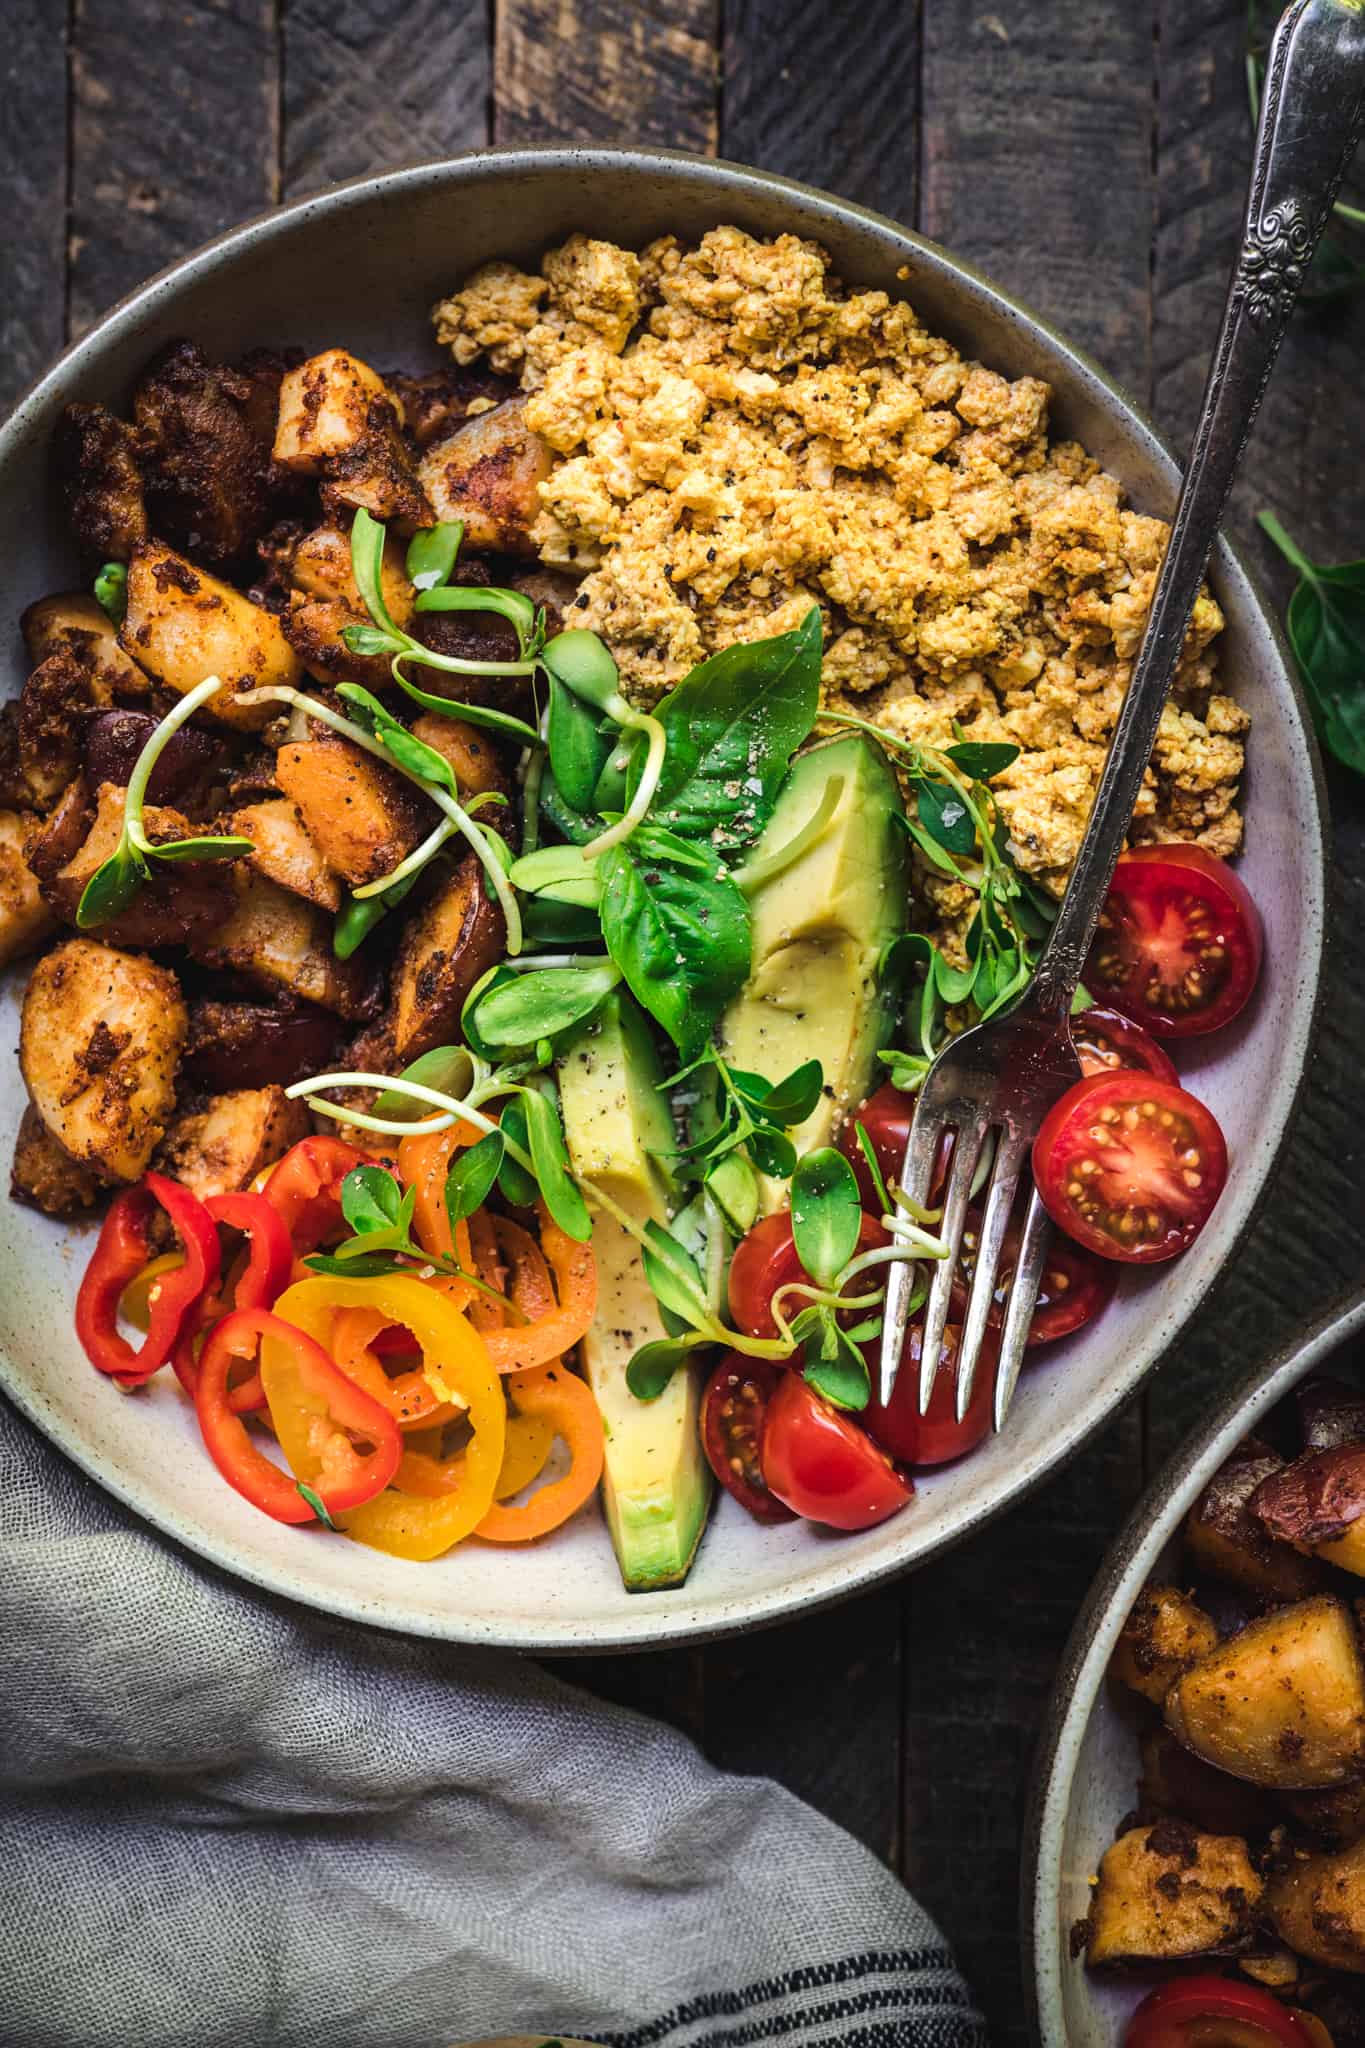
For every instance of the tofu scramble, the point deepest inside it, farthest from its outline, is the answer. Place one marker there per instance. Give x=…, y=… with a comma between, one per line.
x=737, y=435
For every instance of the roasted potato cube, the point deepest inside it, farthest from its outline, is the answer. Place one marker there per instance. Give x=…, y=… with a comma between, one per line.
x=339, y=420
x=183, y=625
x=1336, y=1816
x=60, y=836
x=1281, y=1703
x=179, y=899
x=436, y=404
x=56, y=705
x=1168, y=1892
x=277, y=940
x=1175, y=1781
x=46, y=1177
x=205, y=459
x=455, y=939
x=321, y=567
x=97, y=469
x=99, y=1043
x=488, y=473
x=222, y=1147
x=362, y=816
x=24, y=917
x=1330, y=1413
x=313, y=627
x=72, y=622
x=472, y=754
x=284, y=850
x=1318, y=1504
x=1222, y=1535
x=255, y=1044
x=1165, y=1633
x=1317, y=1906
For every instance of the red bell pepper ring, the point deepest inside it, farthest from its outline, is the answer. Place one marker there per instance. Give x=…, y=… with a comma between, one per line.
x=124, y=1248
x=305, y=1188
x=349, y=1411
x=267, y=1273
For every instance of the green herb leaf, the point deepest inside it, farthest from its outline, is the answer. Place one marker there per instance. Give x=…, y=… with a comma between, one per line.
x=367, y=567
x=681, y=940
x=522, y=1008
x=517, y=1185
x=370, y=1199
x=583, y=662
x=360, y=914
x=112, y=887
x=792, y=1100
x=547, y=922
x=842, y=1376
x=652, y=1368
x=545, y=1137
x=371, y=640
x=654, y=842
x=210, y=847
x=559, y=872
x=826, y=1214
x=1326, y=625
x=772, y=1153
x=674, y=1275
x=737, y=719
x=981, y=759
x=409, y=752
x=906, y=1069
x=364, y=1266
x=472, y=1176
x=431, y=554
x=945, y=817
x=578, y=746
x=454, y=707
x=512, y=605
x=874, y=1167
x=111, y=591
x=316, y=1503
x=446, y=1068
x=578, y=827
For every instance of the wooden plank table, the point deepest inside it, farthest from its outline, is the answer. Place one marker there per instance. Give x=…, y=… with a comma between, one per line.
x=1091, y=157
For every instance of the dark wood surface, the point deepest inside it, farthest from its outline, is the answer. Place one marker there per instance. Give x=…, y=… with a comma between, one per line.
x=1090, y=154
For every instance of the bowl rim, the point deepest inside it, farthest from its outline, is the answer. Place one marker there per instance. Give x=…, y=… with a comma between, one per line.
x=1080, y=1674
x=730, y=181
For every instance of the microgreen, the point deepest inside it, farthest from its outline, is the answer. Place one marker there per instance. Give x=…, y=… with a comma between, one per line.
x=316, y=1503
x=582, y=664
x=111, y=591
x=1326, y=626
x=472, y=1176
x=380, y=1214
x=826, y=1214
x=118, y=880
x=521, y=1009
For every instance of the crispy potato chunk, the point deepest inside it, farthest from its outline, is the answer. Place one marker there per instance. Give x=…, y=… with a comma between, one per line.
x=340, y=421
x=1175, y=1781
x=99, y=1044
x=56, y=705
x=1336, y=1816
x=1318, y=1504
x=488, y=473
x=46, y=1177
x=362, y=817
x=1223, y=1536
x=284, y=850
x=255, y=1044
x=222, y=1147
x=1168, y=1892
x=455, y=939
x=1282, y=1703
x=1318, y=1908
x=24, y=917
x=97, y=468
x=72, y=622
x=321, y=567
x=277, y=940
x=204, y=456
x=471, y=753
x=1165, y=1633
x=180, y=898
x=60, y=835
x=183, y=625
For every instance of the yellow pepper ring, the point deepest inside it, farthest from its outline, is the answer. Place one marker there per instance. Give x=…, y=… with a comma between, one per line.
x=135, y=1304
x=458, y=1368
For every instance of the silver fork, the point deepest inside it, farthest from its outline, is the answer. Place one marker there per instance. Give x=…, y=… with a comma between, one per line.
x=1003, y=1076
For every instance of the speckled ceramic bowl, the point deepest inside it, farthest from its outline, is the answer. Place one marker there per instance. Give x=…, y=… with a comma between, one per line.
x=1087, y=1766
x=361, y=265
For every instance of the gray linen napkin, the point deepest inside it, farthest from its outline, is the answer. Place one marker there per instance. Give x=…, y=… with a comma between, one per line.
x=228, y=1821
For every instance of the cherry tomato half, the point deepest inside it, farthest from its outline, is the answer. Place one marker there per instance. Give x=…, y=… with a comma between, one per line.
x=1217, y=2012
x=823, y=1465
x=1074, y=1288
x=733, y=1411
x=885, y=1116
x=1179, y=942
x=938, y=1437
x=1106, y=1040
x=1130, y=1166
x=765, y=1259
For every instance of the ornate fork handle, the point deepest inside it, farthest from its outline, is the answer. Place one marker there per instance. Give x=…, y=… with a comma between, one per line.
x=1303, y=146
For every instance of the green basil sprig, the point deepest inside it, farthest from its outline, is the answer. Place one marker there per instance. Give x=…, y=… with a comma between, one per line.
x=380, y=1215
x=1326, y=626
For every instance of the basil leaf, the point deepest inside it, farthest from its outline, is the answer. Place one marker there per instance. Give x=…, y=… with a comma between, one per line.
x=316, y=1503
x=370, y=1199
x=576, y=826
x=734, y=723
x=653, y=1366
x=360, y=914
x=112, y=887
x=792, y=1100
x=826, y=1214
x=210, y=847
x=675, y=1277
x=409, y=752
x=446, y=1068
x=735, y=1186
x=772, y=1153
x=545, y=1137
x=364, y=1267
x=1326, y=625
x=681, y=941
x=371, y=640
x=578, y=747
x=945, y=817
x=516, y=1183
x=472, y=1175
x=652, y=842
x=981, y=759
x=546, y=921
x=613, y=784
x=523, y=1008
x=431, y=554
x=111, y=591
x=843, y=1377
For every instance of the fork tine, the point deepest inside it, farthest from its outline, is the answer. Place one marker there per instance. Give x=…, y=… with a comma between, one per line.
x=917, y=1178
x=1009, y=1160
x=1024, y=1287
x=966, y=1152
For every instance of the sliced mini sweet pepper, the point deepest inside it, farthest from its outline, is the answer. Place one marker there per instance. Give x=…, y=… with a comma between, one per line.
x=305, y=1187
x=124, y=1248
x=255, y=1283
x=562, y=1400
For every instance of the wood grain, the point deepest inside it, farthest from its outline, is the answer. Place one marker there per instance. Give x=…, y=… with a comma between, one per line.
x=829, y=95
x=606, y=71
x=33, y=152
x=173, y=135
x=368, y=88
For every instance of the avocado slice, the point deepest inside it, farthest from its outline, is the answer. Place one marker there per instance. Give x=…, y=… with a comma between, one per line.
x=819, y=927
x=656, y=1485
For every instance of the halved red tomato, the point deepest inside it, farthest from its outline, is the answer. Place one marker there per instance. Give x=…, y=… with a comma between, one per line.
x=765, y=1259
x=1130, y=1166
x=1179, y=942
x=1106, y=1040
x=1219, y=2012
x=1074, y=1288
x=733, y=1411
x=886, y=1116
x=937, y=1437
x=823, y=1465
